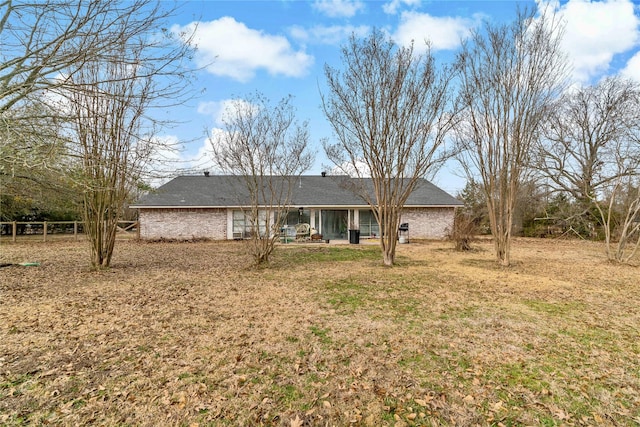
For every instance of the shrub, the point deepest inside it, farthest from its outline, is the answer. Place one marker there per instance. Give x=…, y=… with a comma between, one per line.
x=464, y=230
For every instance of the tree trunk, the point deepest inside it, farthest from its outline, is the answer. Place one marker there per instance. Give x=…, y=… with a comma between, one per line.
x=503, y=249
x=389, y=112
x=500, y=223
x=388, y=245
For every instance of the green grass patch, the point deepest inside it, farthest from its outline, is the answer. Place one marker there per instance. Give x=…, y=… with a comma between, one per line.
x=401, y=308
x=346, y=296
x=521, y=375
x=15, y=382
x=592, y=337
x=78, y=403
x=321, y=334
x=413, y=360
x=286, y=394
x=388, y=299
x=555, y=308
x=310, y=254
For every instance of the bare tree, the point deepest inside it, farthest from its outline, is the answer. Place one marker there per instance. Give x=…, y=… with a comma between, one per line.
x=591, y=152
x=32, y=155
x=112, y=129
x=619, y=210
x=628, y=227
x=31, y=150
x=388, y=110
x=43, y=39
x=509, y=75
x=45, y=44
x=264, y=150
x=94, y=69
x=111, y=148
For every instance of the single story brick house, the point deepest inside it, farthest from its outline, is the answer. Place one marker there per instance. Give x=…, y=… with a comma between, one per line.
x=211, y=206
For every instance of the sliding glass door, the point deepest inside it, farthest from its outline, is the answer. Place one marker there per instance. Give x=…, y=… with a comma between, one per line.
x=335, y=224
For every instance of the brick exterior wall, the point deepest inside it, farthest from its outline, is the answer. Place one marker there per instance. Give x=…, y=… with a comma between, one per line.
x=429, y=223
x=183, y=224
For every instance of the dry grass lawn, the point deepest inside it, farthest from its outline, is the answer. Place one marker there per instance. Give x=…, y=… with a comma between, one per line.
x=186, y=334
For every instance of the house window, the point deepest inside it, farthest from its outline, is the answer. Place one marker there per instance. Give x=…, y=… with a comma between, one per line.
x=368, y=224
x=243, y=226
x=297, y=216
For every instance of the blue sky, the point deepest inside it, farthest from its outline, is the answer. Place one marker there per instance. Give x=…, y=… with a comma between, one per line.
x=280, y=47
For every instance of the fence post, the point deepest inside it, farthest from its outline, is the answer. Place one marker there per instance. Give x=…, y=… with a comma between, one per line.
x=14, y=231
x=44, y=231
x=75, y=230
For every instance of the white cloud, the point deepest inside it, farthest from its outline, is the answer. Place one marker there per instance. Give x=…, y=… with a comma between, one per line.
x=205, y=154
x=445, y=33
x=632, y=69
x=595, y=32
x=391, y=8
x=215, y=109
x=338, y=8
x=231, y=49
x=217, y=138
x=330, y=35
x=197, y=159
x=218, y=110
x=221, y=111
x=170, y=158
x=358, y=170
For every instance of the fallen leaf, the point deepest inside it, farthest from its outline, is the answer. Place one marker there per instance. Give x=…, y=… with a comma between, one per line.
x=296, y=422
x=370, y=420
x=561, y=415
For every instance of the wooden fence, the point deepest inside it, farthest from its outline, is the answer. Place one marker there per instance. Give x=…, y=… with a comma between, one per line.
x=49, y=230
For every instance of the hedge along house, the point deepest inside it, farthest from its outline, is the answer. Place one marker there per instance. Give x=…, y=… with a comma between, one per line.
x=213, y=206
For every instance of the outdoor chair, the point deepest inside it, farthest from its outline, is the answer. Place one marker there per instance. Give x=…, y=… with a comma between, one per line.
x=303, y=231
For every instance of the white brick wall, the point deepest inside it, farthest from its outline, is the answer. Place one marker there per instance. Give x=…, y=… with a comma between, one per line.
x=183, y=224
x=429, y=223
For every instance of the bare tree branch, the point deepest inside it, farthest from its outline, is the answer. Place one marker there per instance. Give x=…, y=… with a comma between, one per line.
x=388, y=110
x=509, y=76
x=591, y=152
x=112, y=132
x=263, y=150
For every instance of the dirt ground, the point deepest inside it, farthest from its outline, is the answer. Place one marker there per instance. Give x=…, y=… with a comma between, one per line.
x=188, y=334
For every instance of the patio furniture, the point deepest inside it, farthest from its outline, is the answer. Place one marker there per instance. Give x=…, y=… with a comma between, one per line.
x=303, y=231
x=287, y=234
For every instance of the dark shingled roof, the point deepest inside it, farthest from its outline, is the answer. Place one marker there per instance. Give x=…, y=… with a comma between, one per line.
x=308, y=191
